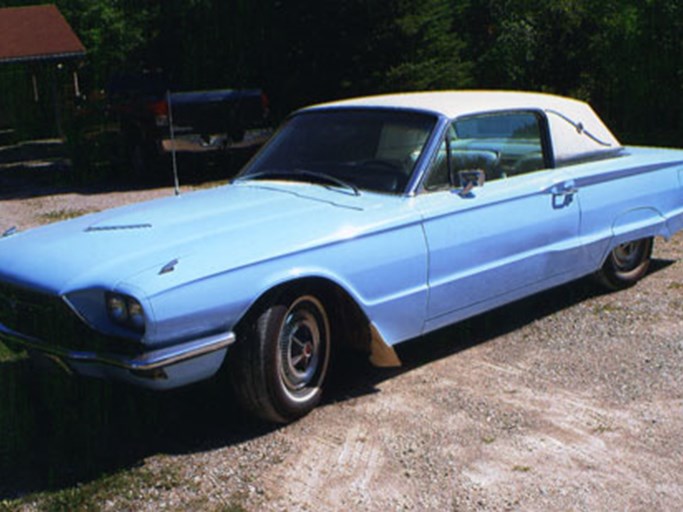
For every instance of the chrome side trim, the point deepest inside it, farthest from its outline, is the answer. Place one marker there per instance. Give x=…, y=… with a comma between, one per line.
x=91, y=229
x=159, y=358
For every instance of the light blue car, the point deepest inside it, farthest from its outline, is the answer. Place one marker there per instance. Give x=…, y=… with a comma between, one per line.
x=362, y=223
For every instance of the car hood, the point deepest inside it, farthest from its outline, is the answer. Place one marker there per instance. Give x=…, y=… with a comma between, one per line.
x=206, y=232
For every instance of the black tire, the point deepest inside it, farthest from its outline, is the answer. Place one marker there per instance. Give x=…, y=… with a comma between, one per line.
x=626, y=264
x=139, y=160
x=279, y=367
x=141, y=153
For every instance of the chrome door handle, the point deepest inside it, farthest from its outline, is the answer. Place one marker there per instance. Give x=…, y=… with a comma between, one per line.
x=564, y=188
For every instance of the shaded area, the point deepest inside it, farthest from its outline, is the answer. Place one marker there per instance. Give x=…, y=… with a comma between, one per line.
x=58, y=431
x=40, y=156
x=355, y=376
x=612, y=54
x=43, y=168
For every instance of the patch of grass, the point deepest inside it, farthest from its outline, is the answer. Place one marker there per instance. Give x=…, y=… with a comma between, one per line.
x=521, y=469
x=8, y=506
x=122, y=488
x=209, y=184
x=63, y=214
x=7, y=355
x=610, y=307
x=601, y=425
x=602, y=428
x=233, y=506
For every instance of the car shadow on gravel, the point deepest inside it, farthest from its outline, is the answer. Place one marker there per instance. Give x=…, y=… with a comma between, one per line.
x=354, y=376
x=57, y=431
x=34, y=182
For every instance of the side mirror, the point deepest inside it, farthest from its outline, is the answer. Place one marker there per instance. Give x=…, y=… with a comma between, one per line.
x=469, y=179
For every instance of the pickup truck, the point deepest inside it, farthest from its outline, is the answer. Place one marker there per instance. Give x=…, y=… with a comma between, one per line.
x=220, y=120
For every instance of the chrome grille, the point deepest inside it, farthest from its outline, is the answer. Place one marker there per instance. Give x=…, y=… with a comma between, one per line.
x=26, y=311
x=49, y=319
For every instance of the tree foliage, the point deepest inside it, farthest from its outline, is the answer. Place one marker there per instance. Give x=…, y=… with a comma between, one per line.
x=115, y=32
x=624, y=56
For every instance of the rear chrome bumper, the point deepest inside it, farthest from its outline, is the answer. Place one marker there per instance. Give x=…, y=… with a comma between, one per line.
x=202, y=356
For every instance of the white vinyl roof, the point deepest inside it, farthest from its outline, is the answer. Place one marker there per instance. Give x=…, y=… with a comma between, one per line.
x=575, y=129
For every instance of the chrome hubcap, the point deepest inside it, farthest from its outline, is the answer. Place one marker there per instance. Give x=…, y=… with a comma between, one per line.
x=626, y=256
x=304, y=348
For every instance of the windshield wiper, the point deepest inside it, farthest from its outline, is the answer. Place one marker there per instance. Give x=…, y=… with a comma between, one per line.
x=329, y=178
x=299, y=173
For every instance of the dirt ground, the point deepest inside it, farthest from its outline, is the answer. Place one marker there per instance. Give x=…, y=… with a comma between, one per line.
x=568, y=400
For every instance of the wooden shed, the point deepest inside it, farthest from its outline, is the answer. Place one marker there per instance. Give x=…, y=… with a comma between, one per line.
x=37, y=33
x=40, y=39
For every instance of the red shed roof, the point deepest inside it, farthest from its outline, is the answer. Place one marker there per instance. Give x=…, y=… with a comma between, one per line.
x=37, y=32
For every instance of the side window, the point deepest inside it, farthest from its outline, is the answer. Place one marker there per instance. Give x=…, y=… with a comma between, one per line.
x=502, y=145
x=513, y=138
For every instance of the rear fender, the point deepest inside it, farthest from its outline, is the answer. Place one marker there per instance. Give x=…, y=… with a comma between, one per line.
x=635, y=225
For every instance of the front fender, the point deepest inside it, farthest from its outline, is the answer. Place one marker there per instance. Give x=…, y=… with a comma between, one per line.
x=385, y=273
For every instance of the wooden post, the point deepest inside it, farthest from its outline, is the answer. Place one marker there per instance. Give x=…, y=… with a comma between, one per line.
x=34, y=80
x=55, y=101
x=77, y=88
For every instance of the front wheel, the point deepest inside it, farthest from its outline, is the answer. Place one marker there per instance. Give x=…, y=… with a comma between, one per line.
x=279, y=367
x=626, y=264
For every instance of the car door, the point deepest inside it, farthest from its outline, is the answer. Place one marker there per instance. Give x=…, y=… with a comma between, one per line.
x=515, y=235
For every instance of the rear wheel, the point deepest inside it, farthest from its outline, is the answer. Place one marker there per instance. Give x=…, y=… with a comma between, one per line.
x=279, y=367
x=626, y=264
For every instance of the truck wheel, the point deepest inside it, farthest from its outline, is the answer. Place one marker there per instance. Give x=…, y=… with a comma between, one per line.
x=139, y=153
x=278, y=370
x=138, y=160
x=626, y=264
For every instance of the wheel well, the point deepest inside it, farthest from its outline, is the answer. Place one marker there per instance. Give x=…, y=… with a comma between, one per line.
x=614, y=243
x=350, y=326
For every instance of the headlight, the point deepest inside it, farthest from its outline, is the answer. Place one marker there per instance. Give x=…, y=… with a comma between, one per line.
x=125, y=311
x=136, y=316
x=116, y=306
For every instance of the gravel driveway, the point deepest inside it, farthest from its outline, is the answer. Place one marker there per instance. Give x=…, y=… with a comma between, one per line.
x=568, y=400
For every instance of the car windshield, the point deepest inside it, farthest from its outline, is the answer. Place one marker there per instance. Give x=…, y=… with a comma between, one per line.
x=364, y=149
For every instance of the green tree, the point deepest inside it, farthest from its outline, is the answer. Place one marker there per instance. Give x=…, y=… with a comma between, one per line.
x=426, y=51
x=326, y=50
x=114, y=32
x=624, y=56
x=637, y=68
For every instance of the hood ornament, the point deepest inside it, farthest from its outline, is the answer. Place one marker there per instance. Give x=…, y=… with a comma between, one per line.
x=169, y=267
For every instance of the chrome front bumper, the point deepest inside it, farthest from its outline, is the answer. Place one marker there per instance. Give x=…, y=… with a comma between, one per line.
x=169, y=367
